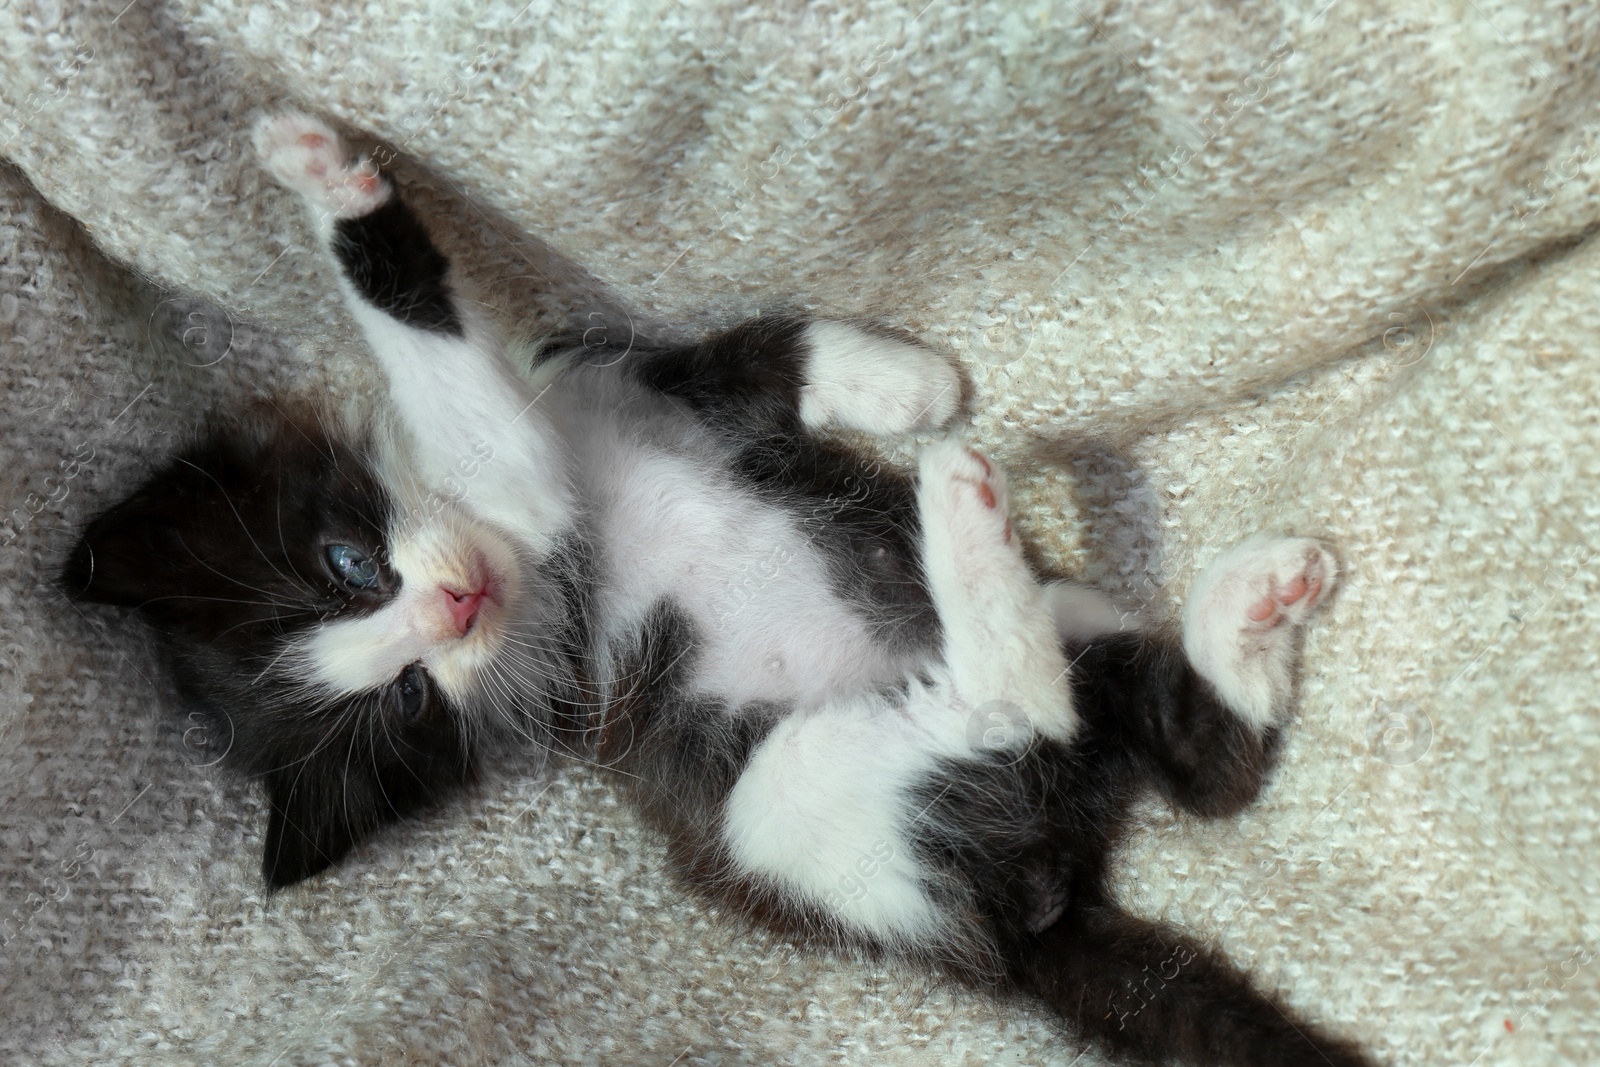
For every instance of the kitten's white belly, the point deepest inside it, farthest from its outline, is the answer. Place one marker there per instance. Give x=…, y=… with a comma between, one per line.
x=756, y=589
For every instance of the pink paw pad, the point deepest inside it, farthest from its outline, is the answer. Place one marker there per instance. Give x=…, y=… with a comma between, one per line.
x=988, y=485
x=1303, y=589
x=983, y=480
x=963, y=490
x=305, y=155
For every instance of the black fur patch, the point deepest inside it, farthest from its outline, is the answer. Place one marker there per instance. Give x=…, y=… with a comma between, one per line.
x=1154, y=995
x=681, y=753
x=389, y=258
x=1143, y=696
x=747, y=377
x=863, y=516
x=745, y=383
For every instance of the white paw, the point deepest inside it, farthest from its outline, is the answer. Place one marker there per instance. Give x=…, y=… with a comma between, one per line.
x=963, y=487
x=1239, y=621
x=861, y=381
x=305, y=155
x=1000, y=647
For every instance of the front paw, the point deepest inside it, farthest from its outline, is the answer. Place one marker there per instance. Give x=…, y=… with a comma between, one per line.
x=305, y=155
x=862, y=381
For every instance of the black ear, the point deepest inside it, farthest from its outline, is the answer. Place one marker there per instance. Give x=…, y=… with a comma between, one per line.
x=307, y=832
x=132, y=554
x=226, y=534
x=324, y=805
x=172, y=544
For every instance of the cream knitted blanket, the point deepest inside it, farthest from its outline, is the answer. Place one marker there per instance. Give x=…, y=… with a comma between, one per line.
x=1212, y=269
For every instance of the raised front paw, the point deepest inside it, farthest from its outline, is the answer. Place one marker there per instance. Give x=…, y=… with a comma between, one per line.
x=305, y=155
x=1239, y=622
x=863, y=381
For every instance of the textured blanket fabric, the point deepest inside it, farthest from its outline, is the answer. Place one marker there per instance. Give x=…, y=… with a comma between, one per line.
x=1212, y=269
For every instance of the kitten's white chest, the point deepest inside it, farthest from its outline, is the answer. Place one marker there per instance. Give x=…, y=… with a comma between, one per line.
x=769, y=623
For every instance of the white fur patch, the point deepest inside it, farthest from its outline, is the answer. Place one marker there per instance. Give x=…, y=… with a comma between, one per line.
x=1000, y=644
x=475, y=429
x=1240, y=618
x=825, y=808
x=879, y=385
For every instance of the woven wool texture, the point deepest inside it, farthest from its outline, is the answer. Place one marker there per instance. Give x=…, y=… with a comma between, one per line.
x=1212, y=269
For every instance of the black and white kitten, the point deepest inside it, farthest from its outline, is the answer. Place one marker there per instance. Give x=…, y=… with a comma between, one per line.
x=842, y=694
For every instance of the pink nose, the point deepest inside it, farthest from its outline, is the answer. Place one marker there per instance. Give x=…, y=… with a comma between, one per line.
x=463, y=606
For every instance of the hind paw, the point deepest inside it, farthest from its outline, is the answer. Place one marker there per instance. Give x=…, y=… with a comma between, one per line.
x=1292, y=585
x=968, y=490
x=1239, y=622
x=999, y=644
x=305, y=155
x=1263, y=583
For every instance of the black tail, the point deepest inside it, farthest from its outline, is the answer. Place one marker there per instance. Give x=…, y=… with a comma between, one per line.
x=1147, y=992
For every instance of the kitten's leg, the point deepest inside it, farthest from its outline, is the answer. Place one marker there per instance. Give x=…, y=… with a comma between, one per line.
x=1000, y=645
x=832, y=804
x=797, y=805
x=1151, y=992
x=879, y=385
x=826, y=810
x=1203, y=716
x=1140, y=695
x=784, y=373
x=475, y=424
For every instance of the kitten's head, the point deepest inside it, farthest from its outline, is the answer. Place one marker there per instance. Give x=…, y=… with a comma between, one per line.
x=350, y=639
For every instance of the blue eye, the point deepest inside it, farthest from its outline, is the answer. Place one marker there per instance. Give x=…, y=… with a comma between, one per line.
x=352, y=566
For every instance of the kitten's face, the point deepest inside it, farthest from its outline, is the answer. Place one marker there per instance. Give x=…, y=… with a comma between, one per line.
x=348, y=644
x=449, y=589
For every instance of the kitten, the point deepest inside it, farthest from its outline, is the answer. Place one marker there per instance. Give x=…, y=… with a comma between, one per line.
x=839, y=691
